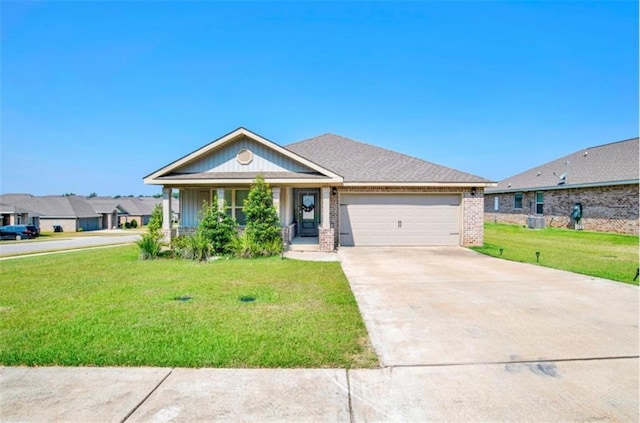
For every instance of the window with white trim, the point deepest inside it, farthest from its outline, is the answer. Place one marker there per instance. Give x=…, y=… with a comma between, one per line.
x=234, y=202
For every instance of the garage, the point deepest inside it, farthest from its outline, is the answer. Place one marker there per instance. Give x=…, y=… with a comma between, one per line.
x=399, y=219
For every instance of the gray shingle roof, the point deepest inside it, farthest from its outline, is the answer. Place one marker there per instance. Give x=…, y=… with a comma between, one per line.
x=52, y=205
x=359, y=162
x=606, y=164
x=11, y=209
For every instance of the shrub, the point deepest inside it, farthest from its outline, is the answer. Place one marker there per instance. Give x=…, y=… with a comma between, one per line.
x=263, y=224
x=133, y=224
x=244, y=246
x=195, y=247
x=151, y=243
x=80, y=230
x=150, y=246
x=155, y=221
x=218, y=227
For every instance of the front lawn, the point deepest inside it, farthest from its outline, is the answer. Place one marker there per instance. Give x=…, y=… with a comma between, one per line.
x=107, y=308
x=604, y=255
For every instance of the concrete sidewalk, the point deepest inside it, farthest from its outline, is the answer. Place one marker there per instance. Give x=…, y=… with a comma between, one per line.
x=533, y=392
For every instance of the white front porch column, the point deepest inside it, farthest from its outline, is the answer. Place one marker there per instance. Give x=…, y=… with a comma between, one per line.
x=276, y=201
x=326, y=200
x=166, y=208
x=220, y=197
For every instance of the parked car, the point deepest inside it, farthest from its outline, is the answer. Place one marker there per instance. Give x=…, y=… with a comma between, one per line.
x=18, y=232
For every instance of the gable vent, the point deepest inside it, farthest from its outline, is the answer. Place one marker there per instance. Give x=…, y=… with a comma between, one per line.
x=244, y=156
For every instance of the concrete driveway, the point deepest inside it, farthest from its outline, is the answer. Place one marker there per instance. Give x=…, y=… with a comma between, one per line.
x=501, y=339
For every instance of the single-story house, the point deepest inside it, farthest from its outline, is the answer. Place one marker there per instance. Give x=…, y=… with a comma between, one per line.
x=599, y=184
x=334, y=190
x=14, y=215
x=126, y=209
x=109, y=209
x=70, y=212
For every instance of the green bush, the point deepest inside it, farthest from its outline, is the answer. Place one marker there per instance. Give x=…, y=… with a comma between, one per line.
x=194, y=247
x=263, y=224
x=155, y=221
x=245, y=246
x=133, y=224
x=150, y=246
x=80, y=230
x=218, y=227
x=151, y=243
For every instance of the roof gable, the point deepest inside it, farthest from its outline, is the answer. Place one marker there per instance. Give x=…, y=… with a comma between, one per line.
x=224, y=156
x=358, y=162
x=608, y=164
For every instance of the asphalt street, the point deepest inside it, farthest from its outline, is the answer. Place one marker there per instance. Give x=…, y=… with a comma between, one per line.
x=26, y=246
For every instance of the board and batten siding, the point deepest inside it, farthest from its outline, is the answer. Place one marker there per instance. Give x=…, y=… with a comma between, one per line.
x=264, y=160
x=190, y=205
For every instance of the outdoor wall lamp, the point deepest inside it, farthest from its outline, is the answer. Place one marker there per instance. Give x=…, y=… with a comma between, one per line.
x=474, y=190
x=334, y=191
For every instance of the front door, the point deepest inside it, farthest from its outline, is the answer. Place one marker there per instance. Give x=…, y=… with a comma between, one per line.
x=308, y=211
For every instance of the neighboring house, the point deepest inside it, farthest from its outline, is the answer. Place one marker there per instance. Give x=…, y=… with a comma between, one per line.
x=339, y=191
x=109, y=209
x=71, y=212
x=13, y=215
x=127, y=209
x=601, y=182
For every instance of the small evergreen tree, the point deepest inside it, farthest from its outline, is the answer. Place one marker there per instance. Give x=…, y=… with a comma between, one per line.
x=263, y=224
x=217, y=227
x=155, y=221
x=151, y=243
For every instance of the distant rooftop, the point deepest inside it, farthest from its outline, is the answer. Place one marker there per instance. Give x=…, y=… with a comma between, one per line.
x=608, y=164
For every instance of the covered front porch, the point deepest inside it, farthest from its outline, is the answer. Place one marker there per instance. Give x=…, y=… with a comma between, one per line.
x=304, y=211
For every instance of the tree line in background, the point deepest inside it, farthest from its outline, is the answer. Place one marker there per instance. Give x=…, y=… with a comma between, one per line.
x=218, y=233
x=175, y=195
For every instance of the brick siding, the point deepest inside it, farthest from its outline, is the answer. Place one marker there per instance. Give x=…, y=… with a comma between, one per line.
x=604, y=209
x=472, y=219
x=326, y=239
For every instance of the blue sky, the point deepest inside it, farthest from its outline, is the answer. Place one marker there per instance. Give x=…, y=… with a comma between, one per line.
x=96, y=95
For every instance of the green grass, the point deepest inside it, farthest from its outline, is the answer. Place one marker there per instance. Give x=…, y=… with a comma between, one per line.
x=604, y=255
x=107, y=308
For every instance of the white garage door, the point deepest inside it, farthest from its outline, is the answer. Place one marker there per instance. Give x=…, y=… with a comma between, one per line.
x=399, y=219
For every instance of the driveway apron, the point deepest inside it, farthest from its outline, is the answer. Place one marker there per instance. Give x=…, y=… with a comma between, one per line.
x=457, y=326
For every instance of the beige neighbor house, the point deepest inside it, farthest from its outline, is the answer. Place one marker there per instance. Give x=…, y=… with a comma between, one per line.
x=13, y=215
x=119, y=211
x=71, y=213
x=331, y=190
x=600, y=182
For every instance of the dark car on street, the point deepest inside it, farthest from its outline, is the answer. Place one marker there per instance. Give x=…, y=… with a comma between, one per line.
x=19, y=232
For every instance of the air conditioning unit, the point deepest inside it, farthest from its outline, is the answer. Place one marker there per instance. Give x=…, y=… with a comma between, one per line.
x=535, y=222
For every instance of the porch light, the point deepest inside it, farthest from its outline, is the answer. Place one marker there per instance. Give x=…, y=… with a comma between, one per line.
x=474, y=190
x=334, y=191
